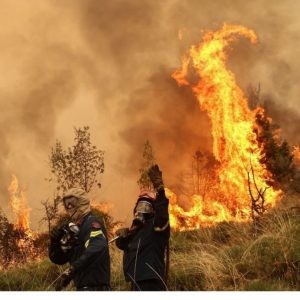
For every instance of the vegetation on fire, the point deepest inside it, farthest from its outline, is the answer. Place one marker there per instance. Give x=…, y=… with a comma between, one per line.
x=80, y=165
x=261, y=255
x=228, y=256
x=238, y=235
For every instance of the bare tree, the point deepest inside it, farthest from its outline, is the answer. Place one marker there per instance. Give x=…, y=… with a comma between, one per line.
x=202, y=172
x=200, y=178
x=254, y=96
x=51, y=211
x=257, y=196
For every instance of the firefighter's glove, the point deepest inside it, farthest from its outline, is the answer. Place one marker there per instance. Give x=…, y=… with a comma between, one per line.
x=65, y=279
x=155, y=176
x=56, y=234
x=122, y=232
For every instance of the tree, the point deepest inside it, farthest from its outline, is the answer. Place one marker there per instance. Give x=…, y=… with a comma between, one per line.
x=51, y=211
x=79, y=165
x=144, y=181
x=277, y=155
x=201, y=177
x=253, y=96
x=258, y=206
x=203, y=172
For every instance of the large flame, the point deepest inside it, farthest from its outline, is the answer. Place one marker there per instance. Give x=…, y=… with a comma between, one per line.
x=18, y=203
x=235, y=145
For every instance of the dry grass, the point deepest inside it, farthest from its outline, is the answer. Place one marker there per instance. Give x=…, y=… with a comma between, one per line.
x=227, y=257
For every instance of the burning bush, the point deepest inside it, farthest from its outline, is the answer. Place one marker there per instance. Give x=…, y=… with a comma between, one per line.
x=16, y=245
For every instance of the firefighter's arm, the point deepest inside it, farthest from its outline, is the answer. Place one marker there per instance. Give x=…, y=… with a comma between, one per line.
x=123, y=239
x=161, y=206
x=56, y=254
x=122, y=243
x=95, y=244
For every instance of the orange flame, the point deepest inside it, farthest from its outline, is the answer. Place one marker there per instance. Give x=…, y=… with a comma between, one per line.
x=106, y=207
x=296, y=154
x=102, y=206
x=18, y=203
x=234, y=142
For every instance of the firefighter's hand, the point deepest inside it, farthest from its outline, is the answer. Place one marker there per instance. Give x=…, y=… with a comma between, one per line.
x=155, y=176
x=65, y=279
x=122, y=232
x=56, y=234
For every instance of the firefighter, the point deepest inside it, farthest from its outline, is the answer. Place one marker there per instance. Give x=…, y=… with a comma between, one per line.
x=83, y=244
x=145, y=242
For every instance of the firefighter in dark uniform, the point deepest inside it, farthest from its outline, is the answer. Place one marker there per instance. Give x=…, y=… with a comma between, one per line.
x=83, y=244
x=145, y=242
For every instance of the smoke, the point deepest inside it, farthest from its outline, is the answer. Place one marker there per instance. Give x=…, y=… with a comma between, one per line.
x=287, y=118
x=170, y=118
x=107, y=64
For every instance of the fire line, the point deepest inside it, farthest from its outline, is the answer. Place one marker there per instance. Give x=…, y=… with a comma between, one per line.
x=234, y=141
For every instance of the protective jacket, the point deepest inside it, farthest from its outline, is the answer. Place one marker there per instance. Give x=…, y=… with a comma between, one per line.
x=89, y=256
x=144, y=248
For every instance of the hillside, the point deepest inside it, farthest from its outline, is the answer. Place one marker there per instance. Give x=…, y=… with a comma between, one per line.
x=227, y=257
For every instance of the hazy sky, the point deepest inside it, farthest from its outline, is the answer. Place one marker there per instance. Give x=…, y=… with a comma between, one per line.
x=107, y=64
